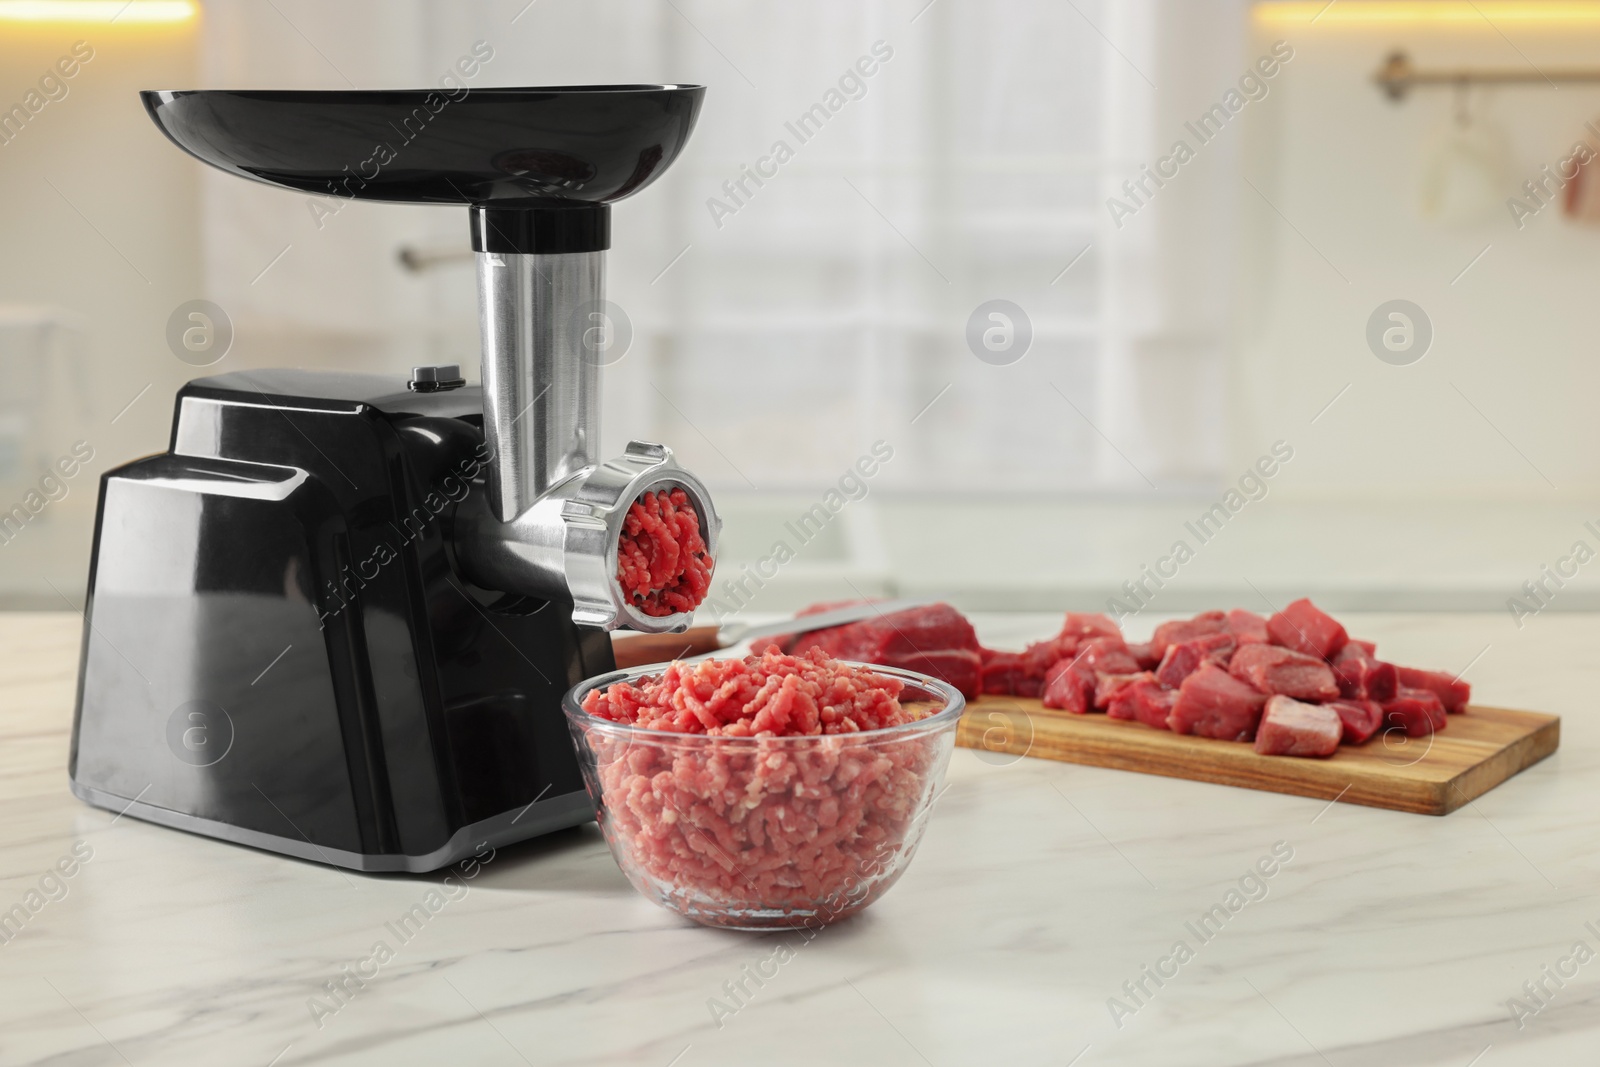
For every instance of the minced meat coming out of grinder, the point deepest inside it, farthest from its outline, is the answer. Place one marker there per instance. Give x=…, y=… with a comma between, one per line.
x=663, y=567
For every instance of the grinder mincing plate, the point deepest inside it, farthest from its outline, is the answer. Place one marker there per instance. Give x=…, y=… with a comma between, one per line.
x=336, y=618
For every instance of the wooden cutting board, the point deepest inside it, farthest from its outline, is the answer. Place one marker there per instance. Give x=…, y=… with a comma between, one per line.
x=1480, y=748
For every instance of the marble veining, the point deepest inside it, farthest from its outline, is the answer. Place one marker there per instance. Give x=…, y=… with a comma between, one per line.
x=1040, y=890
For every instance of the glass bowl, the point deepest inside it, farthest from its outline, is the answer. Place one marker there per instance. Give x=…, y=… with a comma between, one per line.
x=751, y=833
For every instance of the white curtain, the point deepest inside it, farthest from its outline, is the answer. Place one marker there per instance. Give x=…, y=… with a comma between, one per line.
x=831, y=310
x=782, y=328
x=1168, y=297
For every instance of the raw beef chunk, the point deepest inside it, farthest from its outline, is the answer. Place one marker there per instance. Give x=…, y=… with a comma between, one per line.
x=1361, y=718
x=1362, y=676
x=1303, y=627
x=1213, y=703
x=1290, y=728
x=1247, y=627
x=1107, y=655
x=935, y=639
x=1382, y=682
x=958, y=666
x=1027, y=674
x=1183, y=658
x=1039, y=657
x=1083, y=626
x=1107, y=686
x=1023, y=673
x=1280, y=670
x=1170, y=633
x=1143, y=701
x=1145, y=653
x=1001, y=672
x=1419, y=712
x=1069, y=686
x=1453, y=693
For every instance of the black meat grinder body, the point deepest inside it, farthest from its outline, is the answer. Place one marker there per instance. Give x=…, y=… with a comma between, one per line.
x=337, y=617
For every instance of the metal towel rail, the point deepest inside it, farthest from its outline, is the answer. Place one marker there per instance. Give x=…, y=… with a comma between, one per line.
x=1398, y=76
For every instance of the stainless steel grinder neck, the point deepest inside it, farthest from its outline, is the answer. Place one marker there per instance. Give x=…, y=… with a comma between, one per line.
x=541, y=383
x=553, y=511
x=540, y=271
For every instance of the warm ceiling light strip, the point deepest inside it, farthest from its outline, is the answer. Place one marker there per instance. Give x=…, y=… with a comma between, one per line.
x=118, y=12
x=1484, y=13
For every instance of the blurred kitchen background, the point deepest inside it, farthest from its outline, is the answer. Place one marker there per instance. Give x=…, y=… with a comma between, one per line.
x=778, y=336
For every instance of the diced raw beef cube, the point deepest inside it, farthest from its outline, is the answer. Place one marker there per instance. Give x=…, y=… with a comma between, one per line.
x=1155, y=704
x=1361, y=718
x=1213, y=703
x=1107, y=686
x=1362, y=677
x=1001, y=671
x=1419, y=712
x=1382, y=681
x=1023, y=673
x=1082, y=625
x=1143, y=701
x=1042, y=655
x=1069, y=686
x=1145, y=653
x=1272, y=669
x=1303, y=627
x=1290, y=728
x=1183, y=658
x=1171, y=633
x=1453, y=693
x=1107, y=655
x=1369, y=647
x=1122, y=704
x=1247, y=627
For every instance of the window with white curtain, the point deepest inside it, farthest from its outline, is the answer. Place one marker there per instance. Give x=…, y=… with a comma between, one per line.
x=774, y=342
x=830, y=310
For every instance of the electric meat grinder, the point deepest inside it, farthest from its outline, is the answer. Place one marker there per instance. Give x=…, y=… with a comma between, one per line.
x=335, y=619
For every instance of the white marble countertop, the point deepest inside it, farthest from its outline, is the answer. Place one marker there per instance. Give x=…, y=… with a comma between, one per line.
x=1039, y=890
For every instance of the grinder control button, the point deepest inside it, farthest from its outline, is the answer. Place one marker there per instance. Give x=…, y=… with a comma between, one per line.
x=434, y=378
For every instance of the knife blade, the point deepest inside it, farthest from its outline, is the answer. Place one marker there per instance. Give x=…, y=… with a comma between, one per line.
x=636, y=650
x=735, y=633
